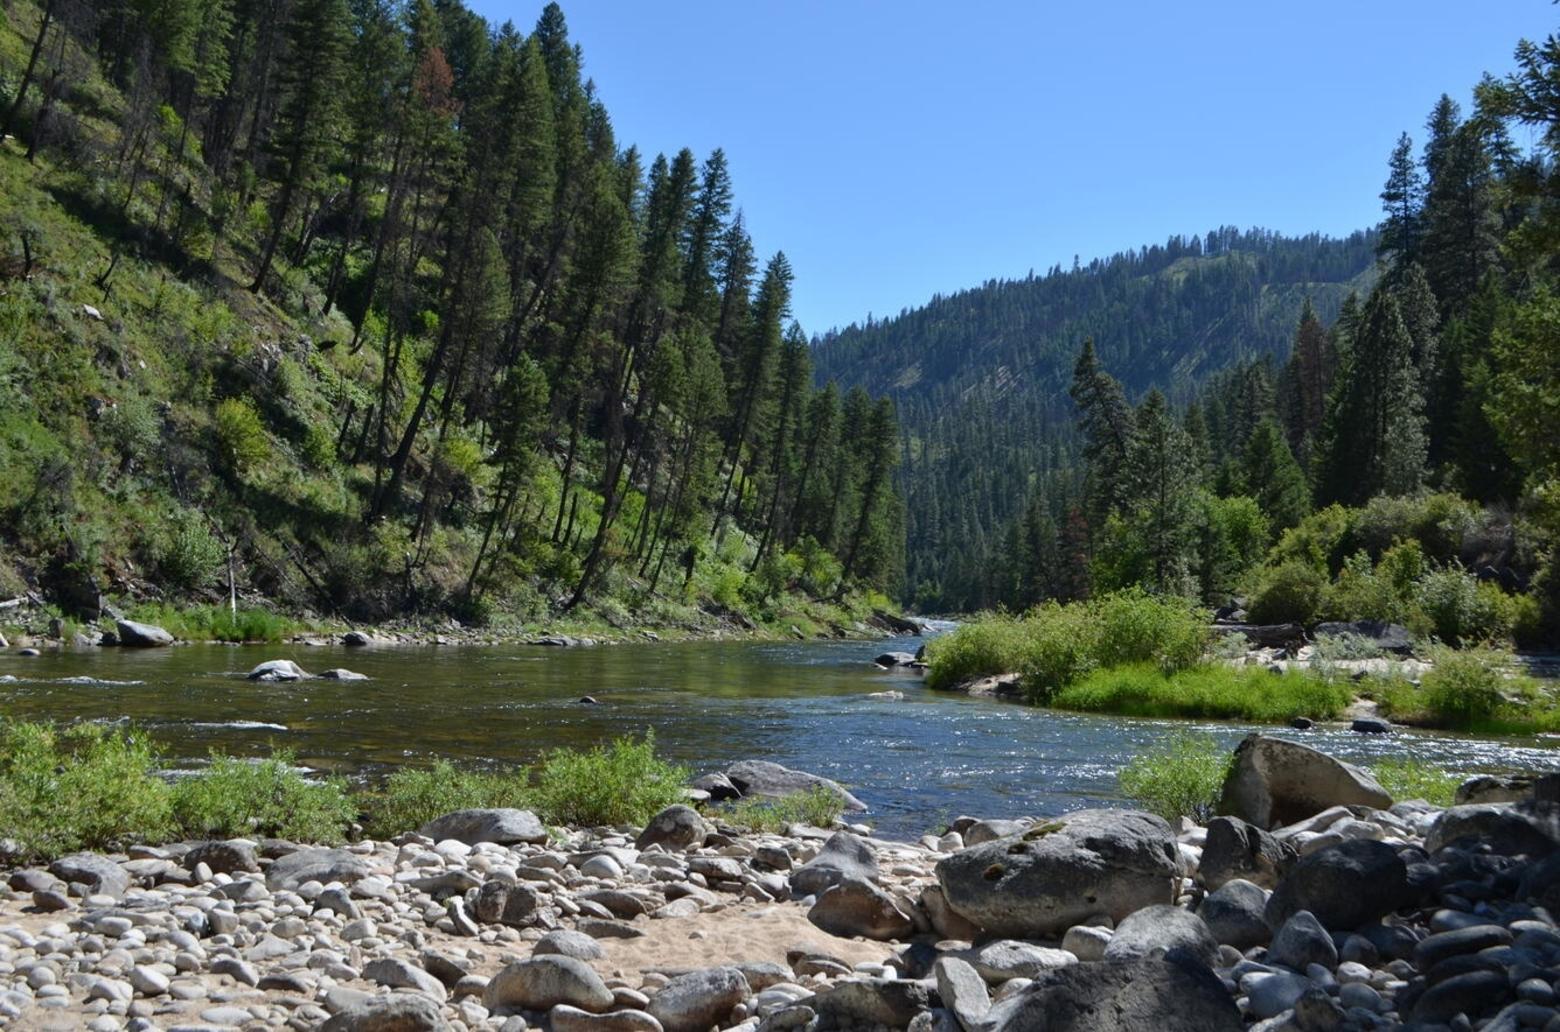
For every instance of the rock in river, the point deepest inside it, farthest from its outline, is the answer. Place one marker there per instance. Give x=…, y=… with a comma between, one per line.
x=141, y=635
x=278, y=670
x=1060, y=873
x=770, y=780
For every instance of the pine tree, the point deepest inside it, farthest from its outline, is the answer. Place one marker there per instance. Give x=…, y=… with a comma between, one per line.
x=1271, y=475
x=1308, y=377
x=1106, y=421
x=1162, y=482
x=1403, y=200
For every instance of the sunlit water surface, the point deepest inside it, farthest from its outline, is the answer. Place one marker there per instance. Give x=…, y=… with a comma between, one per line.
x=915, y=762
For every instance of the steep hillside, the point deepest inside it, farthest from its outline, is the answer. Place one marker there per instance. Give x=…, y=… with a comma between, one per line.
x=980, y=377
x=364, y=307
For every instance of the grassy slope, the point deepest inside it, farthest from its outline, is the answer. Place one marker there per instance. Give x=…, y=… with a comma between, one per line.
x=111, y=452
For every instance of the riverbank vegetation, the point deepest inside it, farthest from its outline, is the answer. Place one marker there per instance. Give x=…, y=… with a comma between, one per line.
x=368, y=308
x=93, y=787
x=1181, y=778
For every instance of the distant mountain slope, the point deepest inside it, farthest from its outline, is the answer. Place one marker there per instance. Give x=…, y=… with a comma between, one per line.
x=980, y=377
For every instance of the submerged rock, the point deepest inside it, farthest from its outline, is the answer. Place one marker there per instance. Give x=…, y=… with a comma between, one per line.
x=278, y=670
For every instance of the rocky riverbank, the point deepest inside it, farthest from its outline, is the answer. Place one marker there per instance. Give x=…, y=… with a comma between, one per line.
x=1317, y=904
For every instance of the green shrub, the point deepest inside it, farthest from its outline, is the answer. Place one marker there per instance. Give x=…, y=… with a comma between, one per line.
x=1360, y=593
x=1345, y=646
x=85, y=787
x=1437, y=523
x=1459, y=610
x=236, y=797
x=1062, y=646
x=413, y=796
x=240, y=435
x=217, y=623
x=1135, y=627
x=1288, y=593
x=1407, y=778
x=1318, y=541
x=185, y=552
x=991, y=643
x=817, y=807
x=1215, y=691
x=623, y=783
x=1465, y=689
x=1181, y=778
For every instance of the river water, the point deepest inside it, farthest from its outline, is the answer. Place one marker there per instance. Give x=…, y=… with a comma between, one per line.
x=915, y=762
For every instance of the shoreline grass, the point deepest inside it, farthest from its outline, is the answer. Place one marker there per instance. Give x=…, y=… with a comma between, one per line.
x=1209, y=692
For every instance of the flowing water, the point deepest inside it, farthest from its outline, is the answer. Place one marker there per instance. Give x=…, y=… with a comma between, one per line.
x=915, y=762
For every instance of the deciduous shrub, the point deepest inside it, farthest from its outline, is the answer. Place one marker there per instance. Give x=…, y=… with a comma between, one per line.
x=817, y=807
x=1407, y=778
x=241, y=438
x=1181, y=778
x=272, y=797
x=621, y=783
x=413, y=796
x=1459, y=610
x=992, y=643
x=1291, y=592
x=1135, y=627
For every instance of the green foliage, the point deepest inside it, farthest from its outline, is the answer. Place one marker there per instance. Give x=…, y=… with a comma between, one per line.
x=1215, y=691
x=1291, y=592
x=85, y=787
x=624, y=783
x=1459, y=610
x=218, y=623
x=412, y=796
x=1182, y=778
x=238, y=797
x=1407, y=778
x=240, y=435
x=185, y=553
x=817, y=807
x=1472, y=690
x=1055, y=644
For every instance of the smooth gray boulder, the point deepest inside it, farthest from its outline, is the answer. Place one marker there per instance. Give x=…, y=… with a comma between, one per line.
x=842, y=857
x=1525, y=828
x=395, y=973
x=1158, y=929
x=990, y=831
x=873, y=1001
x=855, y=907
x=699, y=1000
x=1064, y=871
x=98, y=873
x=502, y=826
x=544, y=982
x=1120, y=996
x=321, y=865
x=1302, y=941
x=1234, y=914
x=278, y=670
x=770, y=780
x=564, y=1018
x=396, y=1013
x=1004, y=959
x=141, y=635
x=566, y=943
x=1274, y=782
x=963, y=992
x=1344, y=886
x=342, y=674
x=676, y=827
x=225, y=857
x=1493, y=788
x=1235, y=849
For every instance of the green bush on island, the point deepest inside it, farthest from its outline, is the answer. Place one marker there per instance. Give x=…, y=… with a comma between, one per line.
x=817, y=807
x=1407, y=778
x=271, y=797
x=218, y=623
x=1210, y=692
x=1055, y=644
x=1181, y=778
x=1471, y=690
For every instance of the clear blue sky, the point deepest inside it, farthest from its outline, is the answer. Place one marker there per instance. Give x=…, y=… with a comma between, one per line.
x=897, y=149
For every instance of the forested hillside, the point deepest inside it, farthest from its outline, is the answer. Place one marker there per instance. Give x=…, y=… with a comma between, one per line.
x=364, y=301
x=1301, y=430
x=980, y=377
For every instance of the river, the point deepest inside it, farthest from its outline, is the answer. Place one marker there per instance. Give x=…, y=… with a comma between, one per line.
x=915, y=762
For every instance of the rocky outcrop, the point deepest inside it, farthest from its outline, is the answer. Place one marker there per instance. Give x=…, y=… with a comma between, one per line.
x=1061, y=872
x=1274, y=782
